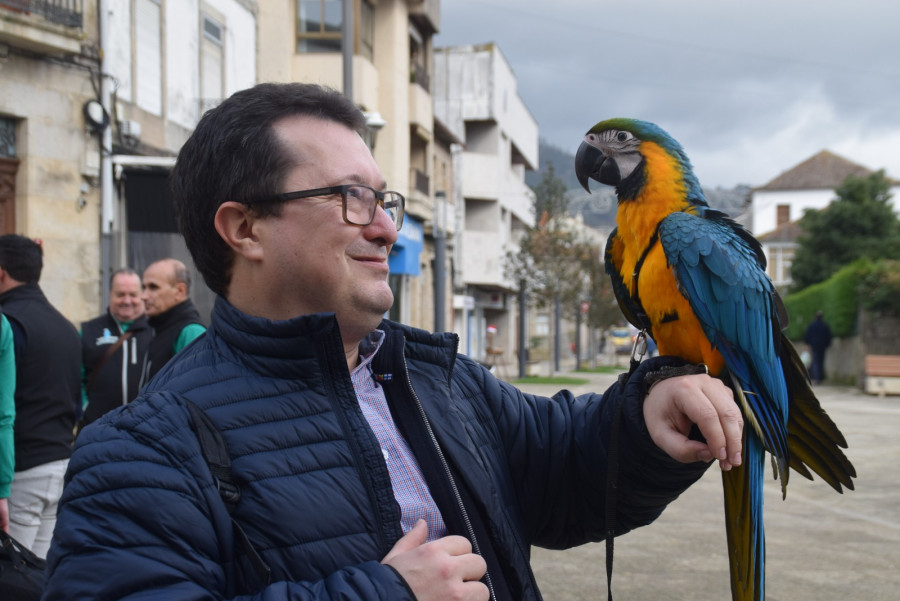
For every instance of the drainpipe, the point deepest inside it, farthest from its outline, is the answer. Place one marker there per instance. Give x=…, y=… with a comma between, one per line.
x=347, y=48
x=440, y=261
x=107, y=200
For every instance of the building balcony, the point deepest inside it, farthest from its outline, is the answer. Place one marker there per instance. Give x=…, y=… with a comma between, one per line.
x=418, y=200
x=483, y=259
x=43, y=26
x=484, y=178
x=421, y=112
x=426, y=14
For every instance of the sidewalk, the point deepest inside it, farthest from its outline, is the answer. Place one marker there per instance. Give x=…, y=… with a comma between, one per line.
x=822, y=546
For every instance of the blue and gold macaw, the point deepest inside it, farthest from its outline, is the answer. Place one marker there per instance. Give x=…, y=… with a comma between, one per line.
x=696, y=281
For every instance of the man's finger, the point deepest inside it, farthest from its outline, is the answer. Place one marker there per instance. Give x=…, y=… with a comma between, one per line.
x=409, y=541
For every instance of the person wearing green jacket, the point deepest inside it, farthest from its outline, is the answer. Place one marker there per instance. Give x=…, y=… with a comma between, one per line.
x=7, y=417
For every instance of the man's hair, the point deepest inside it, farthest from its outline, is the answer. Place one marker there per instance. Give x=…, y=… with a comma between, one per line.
x=234, y=155
x=22, y=258
x=122, y=271
x=181, y=275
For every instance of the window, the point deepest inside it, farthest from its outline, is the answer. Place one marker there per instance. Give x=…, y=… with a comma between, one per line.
x=211, y=79
x=320, y=23
x=9, y=166
x=365, y=32
x=7, y=137
x=148, y=58
x=784, y=215
x=418, y=72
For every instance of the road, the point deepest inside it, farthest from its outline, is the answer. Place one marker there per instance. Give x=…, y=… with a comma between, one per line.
x=822, y=546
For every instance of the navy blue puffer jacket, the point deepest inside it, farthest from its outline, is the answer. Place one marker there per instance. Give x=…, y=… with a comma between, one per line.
x=140, y=517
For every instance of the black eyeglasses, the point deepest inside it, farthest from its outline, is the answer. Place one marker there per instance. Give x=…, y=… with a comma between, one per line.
x=358, y=201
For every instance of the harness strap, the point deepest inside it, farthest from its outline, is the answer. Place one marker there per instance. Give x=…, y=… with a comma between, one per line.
x=212, y=444
x=635, y=298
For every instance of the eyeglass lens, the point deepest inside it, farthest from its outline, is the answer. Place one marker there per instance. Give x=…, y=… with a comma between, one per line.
x=361, y=205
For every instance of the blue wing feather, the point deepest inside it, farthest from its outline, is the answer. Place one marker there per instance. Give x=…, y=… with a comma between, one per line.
x=723, y=279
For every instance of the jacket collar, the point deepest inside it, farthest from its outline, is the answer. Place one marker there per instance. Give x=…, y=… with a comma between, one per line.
x=185, y=310
x=25, y=291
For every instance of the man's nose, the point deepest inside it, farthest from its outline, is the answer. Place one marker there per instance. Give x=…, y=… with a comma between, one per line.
x=382, y=226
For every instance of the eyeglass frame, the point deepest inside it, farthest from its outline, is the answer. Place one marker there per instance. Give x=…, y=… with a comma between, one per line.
x=342, y=190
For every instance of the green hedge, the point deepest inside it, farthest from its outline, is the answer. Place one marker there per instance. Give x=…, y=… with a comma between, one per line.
x=838, y=297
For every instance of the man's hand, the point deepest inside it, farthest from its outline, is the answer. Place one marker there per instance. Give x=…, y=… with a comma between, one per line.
x=4, y=515
x=442, y=569
x=675, y=404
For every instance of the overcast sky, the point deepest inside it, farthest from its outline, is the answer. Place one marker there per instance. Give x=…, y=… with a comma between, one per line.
x=749, y=88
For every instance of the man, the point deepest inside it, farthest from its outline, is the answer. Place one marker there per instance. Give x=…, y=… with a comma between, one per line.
x=175, y=320
x=48, y=365
x=7, y=417
x=114, y=347
x=373, y=461
x=818, y=337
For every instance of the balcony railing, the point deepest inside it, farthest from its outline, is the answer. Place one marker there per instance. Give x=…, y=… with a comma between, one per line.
x=419, y=75
x=68, y=13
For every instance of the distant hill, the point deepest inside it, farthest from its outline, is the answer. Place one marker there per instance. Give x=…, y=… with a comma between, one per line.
x=598, y=209
x=563, y=165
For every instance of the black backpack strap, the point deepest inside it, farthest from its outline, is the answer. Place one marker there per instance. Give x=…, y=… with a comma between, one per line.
x=216, y=455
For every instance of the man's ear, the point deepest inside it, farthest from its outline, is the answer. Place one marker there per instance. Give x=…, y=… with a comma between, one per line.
x=235, y=224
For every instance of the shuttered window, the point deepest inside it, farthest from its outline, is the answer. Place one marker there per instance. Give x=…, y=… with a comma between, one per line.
x=211, y=61
x=148, y=59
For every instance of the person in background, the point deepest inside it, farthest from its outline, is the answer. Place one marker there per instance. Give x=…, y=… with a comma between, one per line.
x=48, y=373
x=7, y=417
x=114, y=346
x=374, y=462
x=818, y=337
x=170, y=311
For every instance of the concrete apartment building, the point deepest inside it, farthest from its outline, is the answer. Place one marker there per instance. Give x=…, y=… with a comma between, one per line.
x=96, y=99
x=475, y=92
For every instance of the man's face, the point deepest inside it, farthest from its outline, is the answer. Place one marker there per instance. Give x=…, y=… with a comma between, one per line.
x=125, y=301
x=161, y=293
x=312, y=260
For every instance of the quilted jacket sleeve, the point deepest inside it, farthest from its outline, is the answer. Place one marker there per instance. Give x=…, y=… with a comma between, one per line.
x=141, y=519
x=558, y=456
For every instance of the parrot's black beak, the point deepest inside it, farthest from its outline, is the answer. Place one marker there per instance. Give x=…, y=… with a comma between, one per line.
x=587, y=159
x=590, y=163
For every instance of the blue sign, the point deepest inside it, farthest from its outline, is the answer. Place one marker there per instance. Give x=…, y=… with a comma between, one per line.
x=404, y=256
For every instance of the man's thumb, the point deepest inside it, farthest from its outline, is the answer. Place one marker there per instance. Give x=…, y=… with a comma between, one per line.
x=410, y=540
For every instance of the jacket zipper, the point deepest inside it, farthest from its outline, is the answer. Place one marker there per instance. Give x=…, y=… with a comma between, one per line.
x=465, y=515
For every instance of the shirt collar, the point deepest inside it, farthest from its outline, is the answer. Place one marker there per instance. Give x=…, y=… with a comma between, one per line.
x=368, y=348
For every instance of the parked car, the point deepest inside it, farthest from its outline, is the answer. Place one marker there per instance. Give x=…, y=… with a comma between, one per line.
x=621, y=339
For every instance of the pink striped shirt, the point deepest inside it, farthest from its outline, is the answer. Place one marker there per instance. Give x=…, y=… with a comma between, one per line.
x=410, y=489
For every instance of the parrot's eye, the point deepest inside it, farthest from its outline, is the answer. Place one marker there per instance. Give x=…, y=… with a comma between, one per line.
x=622, y=136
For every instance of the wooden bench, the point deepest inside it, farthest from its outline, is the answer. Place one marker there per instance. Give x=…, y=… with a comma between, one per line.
x=882, y=374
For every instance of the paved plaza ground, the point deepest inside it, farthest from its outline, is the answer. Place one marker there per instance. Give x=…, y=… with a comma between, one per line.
x=822, y=546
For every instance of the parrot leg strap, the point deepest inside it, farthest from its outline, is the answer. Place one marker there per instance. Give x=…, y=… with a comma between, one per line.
x=612, y=458
x=666, y=372
x=612, y=471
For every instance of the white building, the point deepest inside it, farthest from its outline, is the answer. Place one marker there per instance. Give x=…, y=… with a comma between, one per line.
x=475, y=92
x=778, y=205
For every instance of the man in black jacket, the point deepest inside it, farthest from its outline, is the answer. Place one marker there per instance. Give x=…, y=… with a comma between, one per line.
x=374, y=462
x=48, y=364
x=114, y=346
x=170, y=311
